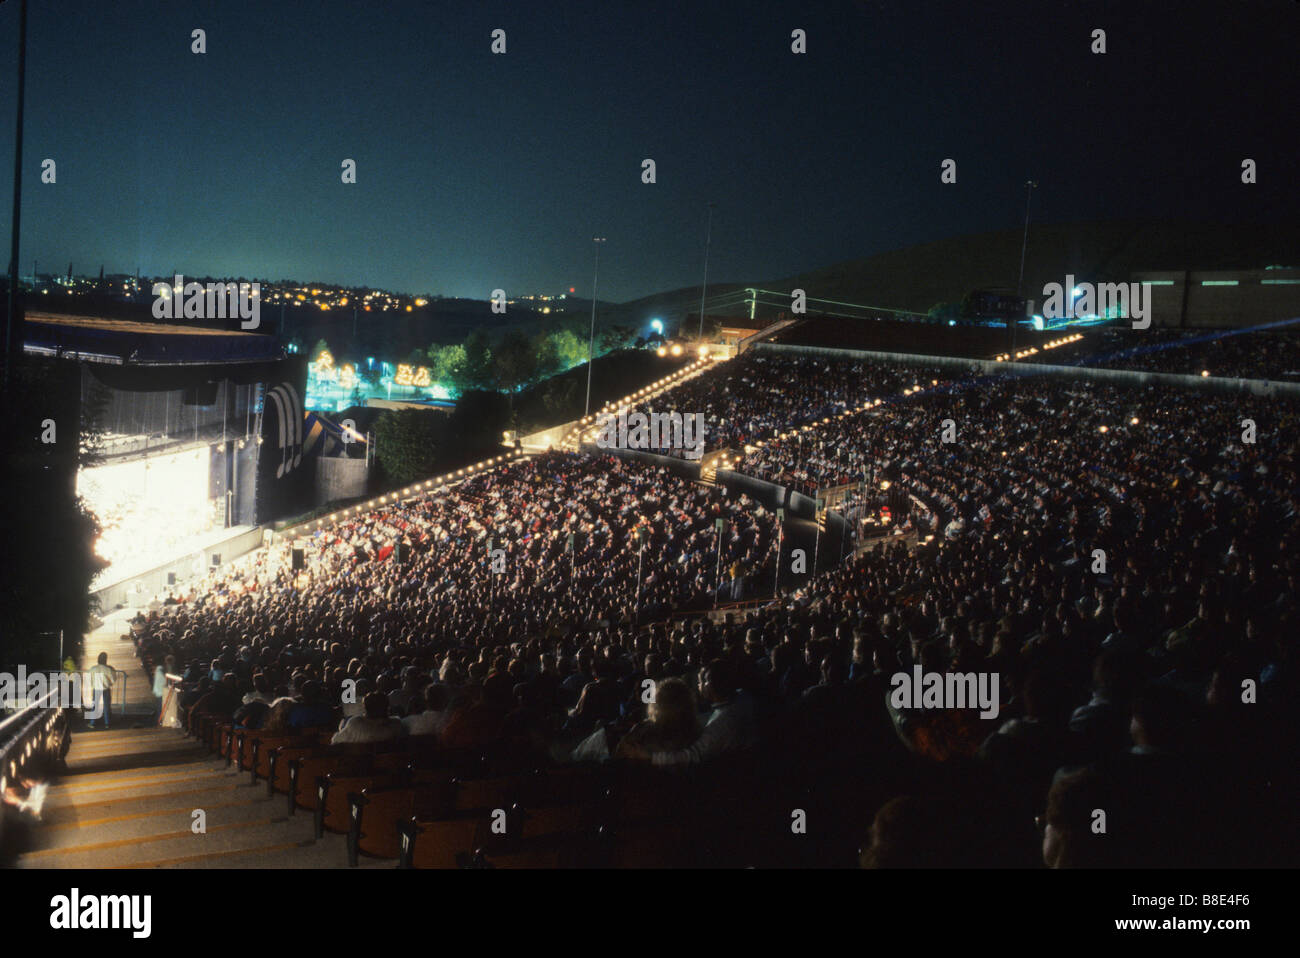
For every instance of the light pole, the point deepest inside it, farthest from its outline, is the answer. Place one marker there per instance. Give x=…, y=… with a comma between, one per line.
x=1030, y=186
x=780, y=537
x=13, y=319
x=708, y=236
x=818, y=502
x=591, y=340
x=719, y=524
x=640, y=535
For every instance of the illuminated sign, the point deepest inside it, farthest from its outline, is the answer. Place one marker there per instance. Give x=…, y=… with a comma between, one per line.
x=412, y=376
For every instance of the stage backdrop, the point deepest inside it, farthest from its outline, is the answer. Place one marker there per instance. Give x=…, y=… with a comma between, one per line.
x=219, y=404
x=284, y=479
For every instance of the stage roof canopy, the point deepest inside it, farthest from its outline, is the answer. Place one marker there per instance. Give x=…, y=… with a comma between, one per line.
x=126, y=342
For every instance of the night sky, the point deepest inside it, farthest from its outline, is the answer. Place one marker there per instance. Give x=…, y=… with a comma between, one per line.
x=478, y=171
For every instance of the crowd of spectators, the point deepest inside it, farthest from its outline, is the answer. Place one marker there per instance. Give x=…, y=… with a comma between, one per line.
x=1263, y=353
x=1232, y=354
x=1123, y=560
x=761, y=394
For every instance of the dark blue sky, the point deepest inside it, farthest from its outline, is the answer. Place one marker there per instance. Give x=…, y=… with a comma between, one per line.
x=477, y=171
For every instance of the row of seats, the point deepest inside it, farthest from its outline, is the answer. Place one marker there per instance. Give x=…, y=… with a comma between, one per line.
x=423, y=806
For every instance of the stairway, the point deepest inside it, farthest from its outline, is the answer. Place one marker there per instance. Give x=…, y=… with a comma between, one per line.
x=127, y=800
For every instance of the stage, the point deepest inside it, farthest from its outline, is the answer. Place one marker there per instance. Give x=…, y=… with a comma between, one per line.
x=136, y=587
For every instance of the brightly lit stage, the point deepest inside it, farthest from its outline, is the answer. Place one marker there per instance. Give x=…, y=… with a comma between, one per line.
x=197, y=437
x=164, y=517
x=133, y=586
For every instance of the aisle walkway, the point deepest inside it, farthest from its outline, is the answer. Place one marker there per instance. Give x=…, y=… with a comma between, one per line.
x=121, y=656
x=128, y=800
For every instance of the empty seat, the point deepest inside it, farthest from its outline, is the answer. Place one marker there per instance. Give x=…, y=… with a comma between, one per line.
x=374, y=815
x=306, y=769
x=333, y=793
x=441, y=843
x=278, y=761
x=263, y=744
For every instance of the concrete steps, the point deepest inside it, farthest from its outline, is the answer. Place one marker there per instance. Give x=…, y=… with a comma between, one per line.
x=127, y=800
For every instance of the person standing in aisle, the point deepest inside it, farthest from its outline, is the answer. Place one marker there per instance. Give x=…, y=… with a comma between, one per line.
x=101, y=690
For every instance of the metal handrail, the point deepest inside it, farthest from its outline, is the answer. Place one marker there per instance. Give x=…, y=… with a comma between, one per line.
x=16, y=719
x=117, y=674
x=38, y=730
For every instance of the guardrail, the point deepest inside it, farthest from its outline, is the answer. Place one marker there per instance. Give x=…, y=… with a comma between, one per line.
x=53, y=677
x=309, y=527
x=763, y=334
x=36, y=736
x=118, y=690
x=1137, y=377
x=583, y=430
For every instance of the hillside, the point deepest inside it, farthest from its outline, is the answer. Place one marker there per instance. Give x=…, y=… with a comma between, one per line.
x=917, y=277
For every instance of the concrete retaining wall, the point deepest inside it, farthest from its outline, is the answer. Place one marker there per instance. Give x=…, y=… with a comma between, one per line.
x=1257, y=387
x=339, y=478
x=142, y=588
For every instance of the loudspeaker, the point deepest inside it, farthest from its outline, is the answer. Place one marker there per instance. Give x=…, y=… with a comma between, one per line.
x=299, y=560
x=216, y=559
x=171, y=578
x=403, y=552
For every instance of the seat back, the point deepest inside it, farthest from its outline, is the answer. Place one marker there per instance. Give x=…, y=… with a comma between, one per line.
x=321, y=762
x=336, y=789
x=375, y=813
x=443, y=843
x=263, y=743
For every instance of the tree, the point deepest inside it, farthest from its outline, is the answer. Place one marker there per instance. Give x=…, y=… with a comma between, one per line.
x=613, y=337
x=407, y=442
x=558, y=351
x=477, y=372
x=547, y=356
x=48, y=560
x=475, y=426
x=559, y=396
x=448, y=365
x=572, y=349
x=514, y=361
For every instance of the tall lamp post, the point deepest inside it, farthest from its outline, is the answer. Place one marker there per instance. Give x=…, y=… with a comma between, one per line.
x=639, y=535
x=718, y=524
x=1030, y=186
x=591, y=340
x=708, y=236
x=13, y=318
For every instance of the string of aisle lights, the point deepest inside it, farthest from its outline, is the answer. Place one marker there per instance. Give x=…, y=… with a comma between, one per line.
x=658, y=386
x=1034, y=350
x=447, y=479
x=452, y=477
